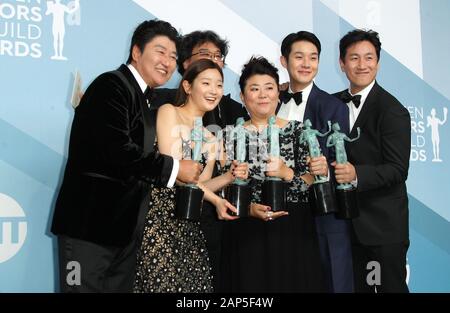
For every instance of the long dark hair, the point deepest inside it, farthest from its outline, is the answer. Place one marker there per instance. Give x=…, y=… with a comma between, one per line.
x=191, y=74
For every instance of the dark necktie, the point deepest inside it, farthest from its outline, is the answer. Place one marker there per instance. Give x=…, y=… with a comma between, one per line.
x=148, y=93
x=287, y=96
x=347, y=97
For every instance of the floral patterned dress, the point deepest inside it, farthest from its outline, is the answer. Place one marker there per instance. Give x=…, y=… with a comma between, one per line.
x=173, y=255
x=281, y=255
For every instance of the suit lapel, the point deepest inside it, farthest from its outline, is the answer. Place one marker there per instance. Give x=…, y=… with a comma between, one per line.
x=280, y=103
x=148, y=115
x=368, y=107
x=149, y=122
x=309, y=107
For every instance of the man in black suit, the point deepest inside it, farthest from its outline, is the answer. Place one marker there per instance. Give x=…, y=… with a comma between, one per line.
x=378, y=166
x=195, y=46
x=304, y=100
x=111, y=160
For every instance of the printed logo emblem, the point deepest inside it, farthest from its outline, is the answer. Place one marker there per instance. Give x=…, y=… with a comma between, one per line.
x=13, y=228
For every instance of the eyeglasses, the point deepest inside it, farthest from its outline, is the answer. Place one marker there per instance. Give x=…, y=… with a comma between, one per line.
x=217, y=56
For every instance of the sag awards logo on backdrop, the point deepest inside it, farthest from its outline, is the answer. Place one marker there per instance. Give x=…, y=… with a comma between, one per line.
x=21, y=27
x=426, y=133
x=13, y=227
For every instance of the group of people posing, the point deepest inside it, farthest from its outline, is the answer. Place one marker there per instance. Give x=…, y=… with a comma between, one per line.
x=130, y=145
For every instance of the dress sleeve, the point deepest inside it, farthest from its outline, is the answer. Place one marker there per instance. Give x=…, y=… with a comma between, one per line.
x=298, y=186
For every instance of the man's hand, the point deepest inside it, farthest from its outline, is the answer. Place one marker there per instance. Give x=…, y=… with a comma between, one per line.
x=189, y=171
x=318, y=166
x=345, y=173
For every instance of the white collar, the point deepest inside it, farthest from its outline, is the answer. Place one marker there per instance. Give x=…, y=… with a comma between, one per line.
x=305, y=92
x=364, y=93
x=138, y=77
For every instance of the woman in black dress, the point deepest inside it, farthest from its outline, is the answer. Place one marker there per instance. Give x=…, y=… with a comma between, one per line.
x=273, y=251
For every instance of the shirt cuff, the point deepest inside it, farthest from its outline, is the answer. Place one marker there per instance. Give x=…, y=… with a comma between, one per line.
x=173, y=176
x=355, y=182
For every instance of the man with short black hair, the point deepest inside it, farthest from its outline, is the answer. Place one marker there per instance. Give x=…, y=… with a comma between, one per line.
x=304, y=100
x=378, y=164
x=111, y=160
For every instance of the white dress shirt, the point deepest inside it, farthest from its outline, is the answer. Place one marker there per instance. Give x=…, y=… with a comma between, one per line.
x=354, y=113
x=291, y=111
x=352, y=109
x=143, y=86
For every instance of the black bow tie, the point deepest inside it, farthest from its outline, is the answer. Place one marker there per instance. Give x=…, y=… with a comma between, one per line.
x=347, y=97
x=287, y=96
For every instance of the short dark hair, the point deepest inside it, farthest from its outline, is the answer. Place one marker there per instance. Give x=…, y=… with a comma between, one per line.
x=196, y=38
x=257, y=66
x=289, y=40
x=148, y=30
x=359, y=35
x=191, y=74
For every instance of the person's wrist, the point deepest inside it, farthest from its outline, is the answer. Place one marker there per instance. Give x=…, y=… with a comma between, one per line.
x=216, y=200
x=251, y=210
x=229, y=176
x=288, y=173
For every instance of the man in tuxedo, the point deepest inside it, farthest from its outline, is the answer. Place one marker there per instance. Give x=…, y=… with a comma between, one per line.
x=111, y=160
x=377, y=165
x=195, y=46
x=304, y=100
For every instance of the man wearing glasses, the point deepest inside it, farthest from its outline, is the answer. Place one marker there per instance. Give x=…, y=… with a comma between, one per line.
x=205, y=45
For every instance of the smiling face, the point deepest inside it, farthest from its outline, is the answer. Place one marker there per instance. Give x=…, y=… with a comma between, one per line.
x=260, y=96
x=302, y=64
x=360, y=65
x=157, y=62
x=205, y=91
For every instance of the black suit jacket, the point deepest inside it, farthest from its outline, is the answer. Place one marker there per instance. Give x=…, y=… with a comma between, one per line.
x=225, y=113
x=381, y=159
x=110, y=156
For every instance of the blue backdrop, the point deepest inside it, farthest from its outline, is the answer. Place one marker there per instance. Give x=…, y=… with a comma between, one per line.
x=36, y=83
